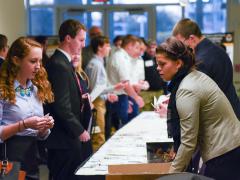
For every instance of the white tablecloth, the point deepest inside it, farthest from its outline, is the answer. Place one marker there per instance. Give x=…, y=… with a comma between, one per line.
x=127, y=145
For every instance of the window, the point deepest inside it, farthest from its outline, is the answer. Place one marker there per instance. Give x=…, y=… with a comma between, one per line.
x=167, y=17
x=144, y=1
x=210, y=15
x=41, y=21
x=129, y=22
x=147, y=18
x=54, y=2
x=40, y=2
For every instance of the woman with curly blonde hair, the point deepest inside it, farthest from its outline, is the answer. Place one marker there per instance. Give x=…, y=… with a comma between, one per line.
x=10, y=71
x=23, y=90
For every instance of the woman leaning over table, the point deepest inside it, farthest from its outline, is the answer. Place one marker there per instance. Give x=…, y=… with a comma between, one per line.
x=199, y=114
x=23, y=89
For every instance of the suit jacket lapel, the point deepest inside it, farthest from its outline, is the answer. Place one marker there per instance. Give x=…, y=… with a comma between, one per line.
x=69, y=65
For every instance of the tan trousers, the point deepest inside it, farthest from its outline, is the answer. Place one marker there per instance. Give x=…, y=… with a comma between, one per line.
x=98, y=137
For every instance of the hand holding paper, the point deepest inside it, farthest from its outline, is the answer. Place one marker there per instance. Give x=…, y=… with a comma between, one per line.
x=160, y=105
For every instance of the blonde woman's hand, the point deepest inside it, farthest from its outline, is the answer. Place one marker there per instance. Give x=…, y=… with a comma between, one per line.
x=49, y=122
x=37, y=123
x=34, y=122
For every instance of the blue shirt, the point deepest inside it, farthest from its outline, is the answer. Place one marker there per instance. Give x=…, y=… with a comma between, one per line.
x=98, y=79
x=25, y=106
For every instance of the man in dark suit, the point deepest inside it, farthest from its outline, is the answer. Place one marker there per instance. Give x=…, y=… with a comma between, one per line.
x=3, y=48
x=211, y=59
x=65, y=141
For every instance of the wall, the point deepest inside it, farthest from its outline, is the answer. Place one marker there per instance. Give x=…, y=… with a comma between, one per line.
x=233, y=25
x=13, y=21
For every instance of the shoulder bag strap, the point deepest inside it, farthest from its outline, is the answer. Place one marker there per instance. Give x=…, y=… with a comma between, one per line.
x=4, y=161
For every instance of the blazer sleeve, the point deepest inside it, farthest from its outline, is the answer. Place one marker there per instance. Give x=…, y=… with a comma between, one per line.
x=188, y=105
x=60, y=80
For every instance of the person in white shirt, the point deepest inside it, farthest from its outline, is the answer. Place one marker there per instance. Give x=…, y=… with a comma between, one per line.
x=137, y=73
x=119, y=70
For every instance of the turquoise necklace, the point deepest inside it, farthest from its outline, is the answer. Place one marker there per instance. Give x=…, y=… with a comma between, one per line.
x=24, y=91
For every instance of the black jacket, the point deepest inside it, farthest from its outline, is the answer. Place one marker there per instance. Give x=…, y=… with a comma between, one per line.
x=215, y=62
x=66, y=107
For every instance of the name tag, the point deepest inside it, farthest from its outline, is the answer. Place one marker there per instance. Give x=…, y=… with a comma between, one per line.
x=149, y=63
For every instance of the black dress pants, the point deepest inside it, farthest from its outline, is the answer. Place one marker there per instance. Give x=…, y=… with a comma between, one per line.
x=62, y=163
x=224, y=167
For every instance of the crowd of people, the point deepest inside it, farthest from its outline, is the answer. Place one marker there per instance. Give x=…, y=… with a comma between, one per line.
x=66, y=105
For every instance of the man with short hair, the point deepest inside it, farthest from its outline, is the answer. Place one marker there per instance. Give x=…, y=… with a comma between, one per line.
x=212, y=59
x=99, y=86
x=3, y=48
x=66, y=141
x=119, y=70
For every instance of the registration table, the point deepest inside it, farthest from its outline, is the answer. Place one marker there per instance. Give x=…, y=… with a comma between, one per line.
x=127, y=145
